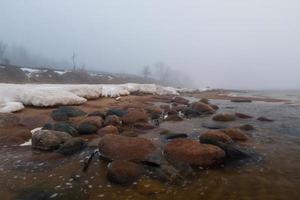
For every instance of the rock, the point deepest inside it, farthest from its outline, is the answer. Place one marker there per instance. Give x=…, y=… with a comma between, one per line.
x=202, y=108
x=224, y=117
x=108, y=130
x=180, y=100
x=215, y=135
x=124, y=172
x=8, y=119
x=214, y=125
x=155, y=113
x=66, y=127
x=93, y=120
x=265, y=119
x=175, y=117
x=143, y=126
x=117, y=112
x=63, y=113
x=246, y=127
x=130, y=133
x=72, y=146
x=85, y=129
x=236, y=134
x=215, y=107
x=135, y=115
x=193, y=153
x=101, y=114
x=48, y=139
x=243, y=116
x=171, y=111
x=117, y=147
x=113, y=120
x=204, y=100
x=171, y=136
x=241, y=100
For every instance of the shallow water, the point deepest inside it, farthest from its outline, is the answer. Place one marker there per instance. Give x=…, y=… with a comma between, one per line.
x=274, y=175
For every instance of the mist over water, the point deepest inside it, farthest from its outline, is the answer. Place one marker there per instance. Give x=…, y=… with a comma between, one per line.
x=223, y=44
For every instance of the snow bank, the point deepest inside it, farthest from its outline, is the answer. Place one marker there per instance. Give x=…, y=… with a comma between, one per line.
x=13, y=97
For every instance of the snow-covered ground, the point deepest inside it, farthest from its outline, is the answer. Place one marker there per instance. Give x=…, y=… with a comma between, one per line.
x=14, y=97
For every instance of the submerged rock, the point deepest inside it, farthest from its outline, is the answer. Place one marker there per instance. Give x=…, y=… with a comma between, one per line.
x=66, y=127
x=124, y=172
x=113, y=120
x=224, y=117
x=214, y=125
x=193, y=153
x=118, y=147
x=86, y=129
x=63, y=113
x=265, y=119
x=170, y=136
x=108, y=130
x=202, y=108
x=48, y=139
x=215, y=135
x=135, y=115
x=117, y=112
x=72, y=146
x=246, y=127
x=243, y=116
x=241, y=100
x=236, y=134
x=93, y=120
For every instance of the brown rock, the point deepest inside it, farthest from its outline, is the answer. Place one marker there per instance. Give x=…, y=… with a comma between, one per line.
x=180, y=100
x=246, y=127
x=112, y=120
x=135, y=115
x=224, y=117
x=202, y=107
x=93, y=120
x=204, y=100
x=236, y=134
x=264, y=119
x=143, y=126
x=108, y=130
x=243, y=116
x=117, y=147
x=215, y=135
x=124, y=172
x=174, y=118
x=192, y=152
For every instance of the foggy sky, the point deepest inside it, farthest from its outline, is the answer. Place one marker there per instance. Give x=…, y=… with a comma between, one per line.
x=242, y=44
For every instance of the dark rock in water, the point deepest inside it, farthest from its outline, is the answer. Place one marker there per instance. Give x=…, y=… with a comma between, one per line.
x=155, y=113
x=236, y=134
x=180, y=100
x=72, y=146
x=66, y=127
x=215, y=135
x=143, y=126
x=124, y=172
x=63, y=113
x=135, y=115
x=193, y=153
x=214, y=125
x=98, y=113
x=265, y=119
x=85, y=129
x=224, y=117
x=93, y=120
x=242, y=100
x=170, y=136
x=243, y=116
x=189, y=112
x=174, y=117
x=108, y=130
x=48, y=139
x=113, y=120
x=246, y=127
x=115, y=111
x=8, y=119
x=118, y=147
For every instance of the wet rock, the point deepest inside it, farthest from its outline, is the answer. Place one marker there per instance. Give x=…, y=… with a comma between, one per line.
x=243, y=116
x=108, y=130
x=204, y=100
x=242, y=100
x=215, y=135
x=117, y=112
x=135, y=115
x=93, y=120
x=214, y=125
x=189, y=112
x=171, y=136
x=63, y=113
x=86, y=129
x=129, y=133
x=202, y=108
x=224, y=117
x=180, y=100
x=66, y=127
x=124, y=172
x=143, y=126
x=113, y=120
x=246, y=127
x=8, y=119
x=118, y=147
x=193, y=153
x=101, y=114
x=48, y=139
x=155, y=113
x=174, y=117
x=265, y=119
x=236, y=134
x=72, y=146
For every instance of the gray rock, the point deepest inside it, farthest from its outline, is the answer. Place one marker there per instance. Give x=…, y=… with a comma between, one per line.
x=72, y=146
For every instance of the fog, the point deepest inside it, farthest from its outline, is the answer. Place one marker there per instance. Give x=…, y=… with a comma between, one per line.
x=250, y=44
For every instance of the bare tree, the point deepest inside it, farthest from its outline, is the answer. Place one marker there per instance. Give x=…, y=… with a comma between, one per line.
x=74, y=61
x=2, y=50
x=163, y=72
x=146, y=71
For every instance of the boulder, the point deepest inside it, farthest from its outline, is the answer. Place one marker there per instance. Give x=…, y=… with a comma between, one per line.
x=118, y=147
x=87, y=128
x=193, y=153
x=72, y=146
x=243, y=116
x=135, y=115
x=63, y=113
x=202, y=108
x=101, y=114
x=93, y=120
x=265, y=119
x=113, y=120
x=48, y=139
x=66, y=127
x=180, y=100
x=8, y=119
x=224, y=117
x=123, y=172
x=108, y=130
x=215, y=135
x=116, y=111
x=236, y=134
